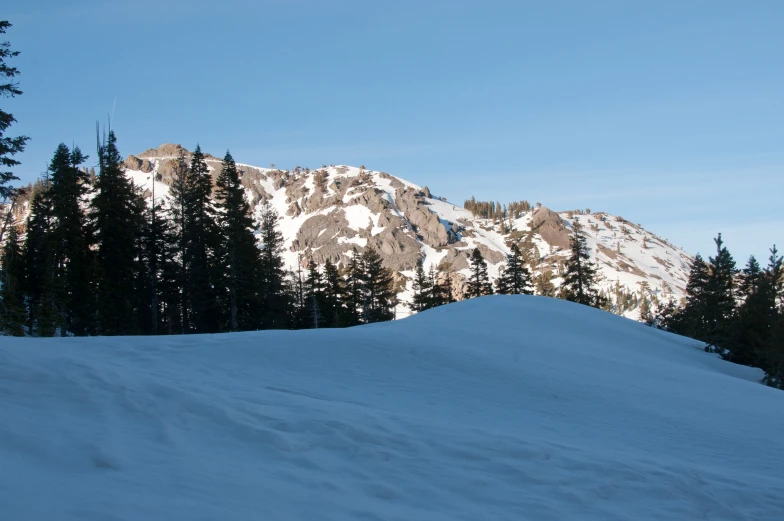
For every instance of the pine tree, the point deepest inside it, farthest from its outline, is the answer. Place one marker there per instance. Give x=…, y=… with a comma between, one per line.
x=201, y=237
x=515, y=278
x=756, y=317
x=478, y=283
x=378, y=293
x=692, y=319
x=580, y=275
x=239, y=254
x=179, y=306
x=275, y=303
x=12, y=313
x=117, y=213
x=333, y=289
x=352, y=290
x=646, y=315
x=72, y=279
x=544, y=283
x=421, y=288
x=314, y=302
x=447, y=294
x=39, y=263
x=437, y=293
x=773, y=354
x=158, y=257
x=9, y=146
x=749, y=278
x=719, y=297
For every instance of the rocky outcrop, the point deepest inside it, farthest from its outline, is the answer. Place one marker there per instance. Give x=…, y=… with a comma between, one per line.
x=135, y=163
x=551, y=227
x=167, y=150
x=425, y=223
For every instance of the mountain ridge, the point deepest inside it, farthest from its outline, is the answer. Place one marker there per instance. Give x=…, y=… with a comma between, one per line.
x=327, y=212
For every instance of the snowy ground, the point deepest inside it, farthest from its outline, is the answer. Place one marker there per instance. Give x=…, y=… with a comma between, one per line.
x=518, y=408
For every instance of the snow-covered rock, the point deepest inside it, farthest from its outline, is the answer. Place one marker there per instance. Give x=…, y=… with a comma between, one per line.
x=327, y=212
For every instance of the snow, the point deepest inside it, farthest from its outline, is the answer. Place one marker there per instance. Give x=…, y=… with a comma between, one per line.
x=359, y=241
x=500, y=408
x=358, y=216
x=145, y=181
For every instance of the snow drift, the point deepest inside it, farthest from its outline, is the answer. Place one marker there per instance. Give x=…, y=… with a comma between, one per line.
x=490, y=409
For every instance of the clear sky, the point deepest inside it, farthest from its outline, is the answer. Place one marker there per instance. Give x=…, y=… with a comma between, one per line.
x=669, y=113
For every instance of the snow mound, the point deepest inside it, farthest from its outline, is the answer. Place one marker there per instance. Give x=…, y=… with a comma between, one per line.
x=491, y=409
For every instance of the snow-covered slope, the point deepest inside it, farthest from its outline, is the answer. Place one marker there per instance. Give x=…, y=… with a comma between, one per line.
x=327, y=212
x=548, y=410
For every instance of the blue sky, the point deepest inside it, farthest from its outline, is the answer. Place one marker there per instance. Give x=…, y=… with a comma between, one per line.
x=670, y=114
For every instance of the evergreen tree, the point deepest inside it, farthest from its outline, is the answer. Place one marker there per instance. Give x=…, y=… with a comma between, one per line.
x=333, y=289
x=9, y=146
x=314, y=302
x=158, y=250
x=352, y=290
x=39, y=263
x=439, y=291
x=72, y=280
x=274, y=301
x=692, y=319
x=749, y=278
x=515, y=278
x=239, y=254
x=12, y=313
x=544, y=282
x=773, y=354
x=478, y=283
x=719, y=297
x=646, y=314
x=118, y=220
x=756, y=316
x=378, y=293
x=445, y=287
x=580, y=276
x=201, y=237
x=421, y=287
x=179, y=306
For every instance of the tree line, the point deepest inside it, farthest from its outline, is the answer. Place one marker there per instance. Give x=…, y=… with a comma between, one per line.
x=97, y=259
x=495, y=210
x=737, y=313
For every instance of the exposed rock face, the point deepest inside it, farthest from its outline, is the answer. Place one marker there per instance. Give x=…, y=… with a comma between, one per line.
x=551, y=227
x=167, y=150
x=142, y=165
x=327, y=212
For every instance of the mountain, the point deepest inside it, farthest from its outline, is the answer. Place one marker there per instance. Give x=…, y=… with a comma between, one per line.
x=326, y=212
x=426, y=418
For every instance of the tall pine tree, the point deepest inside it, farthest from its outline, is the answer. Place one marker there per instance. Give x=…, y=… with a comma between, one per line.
x=201, y=237
x=12, y=312
x=240, y=257
x=580, y=276
x=515, y=279
x=39, y=263
x=333, y=289
x=378, y=293
x=719, y=297
x=274, y=300
x=118, y=220
x=352, y=290
x=421, y=288
x=479, y=282
x=9, y=146
x=72, y=281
